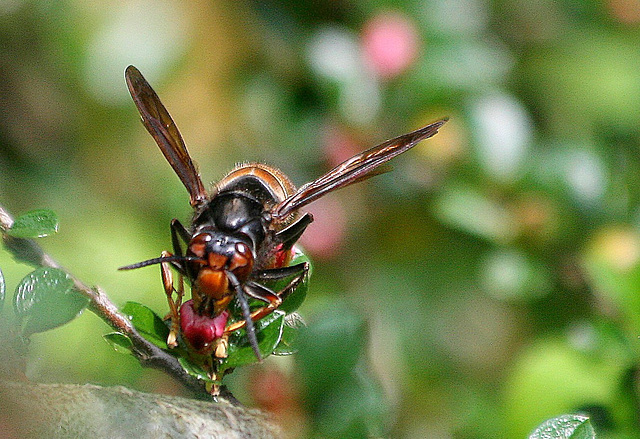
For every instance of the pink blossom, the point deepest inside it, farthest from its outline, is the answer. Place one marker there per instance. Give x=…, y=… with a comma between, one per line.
x=390, y=44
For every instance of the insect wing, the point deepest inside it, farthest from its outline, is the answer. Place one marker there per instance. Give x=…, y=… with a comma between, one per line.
x=354, y=169
x=163, y=129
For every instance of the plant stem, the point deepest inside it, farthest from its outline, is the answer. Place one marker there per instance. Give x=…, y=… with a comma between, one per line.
x=149, y=355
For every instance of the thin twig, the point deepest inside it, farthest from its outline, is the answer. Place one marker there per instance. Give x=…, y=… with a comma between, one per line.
x=149, y=355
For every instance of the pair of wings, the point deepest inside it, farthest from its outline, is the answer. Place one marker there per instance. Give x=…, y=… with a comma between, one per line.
x=161, y=126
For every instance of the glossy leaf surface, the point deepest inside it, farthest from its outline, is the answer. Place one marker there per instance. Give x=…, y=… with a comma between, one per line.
x=565, y=427
x=46, y=299
x=119, y=342
x=147, y=322
x=268, y=331
x=35, y=224
x=292, y=325
x=194, y=369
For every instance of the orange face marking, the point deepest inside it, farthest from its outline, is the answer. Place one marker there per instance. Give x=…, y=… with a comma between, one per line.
x=238, y=261
x=198, y=244
x=212, y=283
x=216, y=261
x=197, y=249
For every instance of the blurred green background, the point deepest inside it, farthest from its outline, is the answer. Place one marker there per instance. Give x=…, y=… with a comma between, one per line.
x=491, y=281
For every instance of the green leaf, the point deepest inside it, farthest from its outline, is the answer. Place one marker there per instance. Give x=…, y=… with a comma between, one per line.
x=119, y=342
x=148, y=323
x=565, y=427
x=287, y=346
x=46, y=299
x=34, y=224
x=268, y=331
x=195, y=370
x=584, y=431
x=330, y=346
x=2, y=290
x=354, y=408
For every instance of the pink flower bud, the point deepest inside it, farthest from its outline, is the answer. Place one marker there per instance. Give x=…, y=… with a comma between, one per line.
x=201, y=331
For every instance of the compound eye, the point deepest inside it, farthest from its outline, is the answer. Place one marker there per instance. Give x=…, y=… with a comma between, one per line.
x=242, y=261
x=198, y=244
x=243, y=250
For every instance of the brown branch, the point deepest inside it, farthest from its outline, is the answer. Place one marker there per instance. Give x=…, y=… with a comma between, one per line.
x=149, y=355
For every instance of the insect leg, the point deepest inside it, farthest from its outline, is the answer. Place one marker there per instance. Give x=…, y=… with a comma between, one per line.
x=178, y=231
x=167, y=282
x=272, y=274
x=297, y=280
x=273, y=300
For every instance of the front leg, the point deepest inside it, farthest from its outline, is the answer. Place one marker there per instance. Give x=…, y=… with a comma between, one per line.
x=273, y=300
x=178, y=231
x=174, y=305
x=275, y=274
